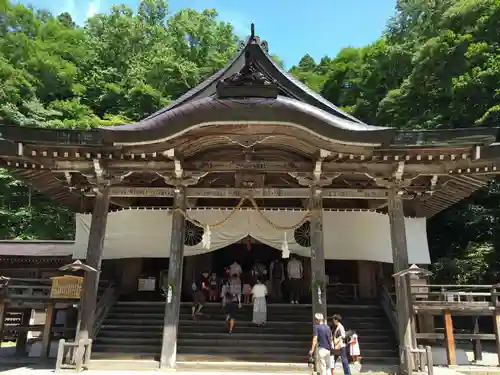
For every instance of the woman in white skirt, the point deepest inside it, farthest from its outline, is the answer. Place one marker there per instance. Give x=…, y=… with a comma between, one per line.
x=259, y=293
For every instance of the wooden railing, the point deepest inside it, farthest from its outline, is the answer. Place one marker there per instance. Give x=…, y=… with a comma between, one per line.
x=25, y=288
x=28, y=288
x=389, y=308
x=474, y=299
x=462, y=300
x=421, y=359
x=105, y=302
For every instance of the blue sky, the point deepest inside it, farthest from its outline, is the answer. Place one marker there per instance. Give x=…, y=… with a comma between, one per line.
x=291, y=27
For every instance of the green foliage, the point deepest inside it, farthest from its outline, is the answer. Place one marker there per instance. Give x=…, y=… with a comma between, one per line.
x=437, y=65
x=117, y=69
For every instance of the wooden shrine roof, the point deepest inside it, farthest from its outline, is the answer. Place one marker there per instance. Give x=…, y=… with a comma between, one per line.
x=252, y=126
x=256, y=50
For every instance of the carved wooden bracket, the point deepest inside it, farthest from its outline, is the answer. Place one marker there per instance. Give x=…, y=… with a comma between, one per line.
x=392, y=183
x=309, y=179
x=188, y=179
x=191, y=202
x=247, y=141
x=99, y=176
x=249, y=180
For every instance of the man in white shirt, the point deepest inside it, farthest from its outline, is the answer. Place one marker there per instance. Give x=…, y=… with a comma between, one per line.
x=294, y=271
x=339, y=345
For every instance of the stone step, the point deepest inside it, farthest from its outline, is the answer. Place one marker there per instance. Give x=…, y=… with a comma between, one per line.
x=229, y=341
x=218, y=360
x=133, y=330
x=271, y=349
x=241, y=319
x=211, y=353
x=194, y=366
x=223, y=328
x=214, y=337
x=285, y=310
x=219, y=314
x=207, y=318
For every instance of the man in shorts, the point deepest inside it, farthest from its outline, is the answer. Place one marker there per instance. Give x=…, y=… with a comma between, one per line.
x=199, y=286
x=231, y=300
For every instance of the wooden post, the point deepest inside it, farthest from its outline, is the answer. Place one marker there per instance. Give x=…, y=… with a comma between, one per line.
x=168, y=356
x=449, y=339
x=3, y=308
x=318, y=273
x=47, y=331
x=94, y=259
x=476, y=343
x=22, y=336
x=496, y=318
x=402, y=284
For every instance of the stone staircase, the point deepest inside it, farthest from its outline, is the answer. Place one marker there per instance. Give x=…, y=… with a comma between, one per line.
x=133, y=330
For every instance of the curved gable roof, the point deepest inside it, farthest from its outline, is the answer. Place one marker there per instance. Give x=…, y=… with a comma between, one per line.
x=213, y=110
x=288, y=85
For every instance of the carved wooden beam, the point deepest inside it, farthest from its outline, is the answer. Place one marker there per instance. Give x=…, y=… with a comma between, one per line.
x=176, y=158
x=119, y=191
x=375, y=169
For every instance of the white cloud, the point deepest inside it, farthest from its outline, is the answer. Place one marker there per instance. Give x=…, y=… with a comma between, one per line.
x=93, y=8
x=241, y=24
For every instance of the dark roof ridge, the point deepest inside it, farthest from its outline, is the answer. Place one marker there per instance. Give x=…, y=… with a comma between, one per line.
x=286, y=82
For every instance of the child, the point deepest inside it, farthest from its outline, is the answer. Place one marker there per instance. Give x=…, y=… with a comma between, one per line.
x=354, y=347
x=213, y=284
x=247, y=293
x=246, y=279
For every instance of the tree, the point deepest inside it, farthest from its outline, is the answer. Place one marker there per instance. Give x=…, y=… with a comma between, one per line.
x=437, y=65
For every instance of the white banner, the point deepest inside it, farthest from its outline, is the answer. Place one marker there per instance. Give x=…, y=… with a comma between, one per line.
x=348, y=235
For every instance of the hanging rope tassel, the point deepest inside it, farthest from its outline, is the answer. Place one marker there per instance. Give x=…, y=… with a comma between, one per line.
x=206, y=238
x=284, y=247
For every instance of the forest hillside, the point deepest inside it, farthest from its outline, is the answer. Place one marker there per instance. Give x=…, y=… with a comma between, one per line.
x=436, y=66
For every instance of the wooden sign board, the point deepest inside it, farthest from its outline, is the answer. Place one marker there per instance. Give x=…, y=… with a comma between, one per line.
x=66, y=287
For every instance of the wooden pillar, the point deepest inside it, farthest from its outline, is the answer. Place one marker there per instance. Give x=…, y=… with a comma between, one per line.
x=318, y=274
x=476, y=344
x=94, y=259
x=449, y=339
x=171, y=320
x=402, y=284
x=22, y=336
x=3, y=308
x=47, y=331
x=496, y=318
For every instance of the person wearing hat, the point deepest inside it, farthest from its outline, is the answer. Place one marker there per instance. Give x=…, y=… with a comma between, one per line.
x=322, y=340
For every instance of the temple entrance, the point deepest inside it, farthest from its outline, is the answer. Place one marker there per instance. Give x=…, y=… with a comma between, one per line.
x=247, y=254
x=251, y=260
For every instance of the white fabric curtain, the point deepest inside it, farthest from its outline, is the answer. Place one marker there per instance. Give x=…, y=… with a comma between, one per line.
x=356, y=235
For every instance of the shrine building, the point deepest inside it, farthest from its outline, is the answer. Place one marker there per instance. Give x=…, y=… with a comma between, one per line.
x=249, y=164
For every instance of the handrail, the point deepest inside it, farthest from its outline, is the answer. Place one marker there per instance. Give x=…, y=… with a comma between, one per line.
x=26, y=288
x=472, y=294
x=421, y=359
x=389, y=308
x=106, y=301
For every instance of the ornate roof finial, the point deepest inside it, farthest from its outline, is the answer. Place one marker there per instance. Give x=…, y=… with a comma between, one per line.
x=252, y=31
